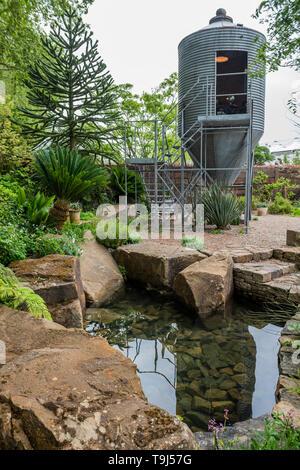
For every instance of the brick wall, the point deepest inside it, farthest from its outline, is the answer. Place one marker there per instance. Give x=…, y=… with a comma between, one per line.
x=292, y=172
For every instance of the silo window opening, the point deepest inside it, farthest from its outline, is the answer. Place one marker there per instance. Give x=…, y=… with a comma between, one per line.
x=231, y=82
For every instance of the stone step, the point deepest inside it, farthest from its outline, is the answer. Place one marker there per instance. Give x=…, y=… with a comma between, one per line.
x=270, y=281
x=264, y=271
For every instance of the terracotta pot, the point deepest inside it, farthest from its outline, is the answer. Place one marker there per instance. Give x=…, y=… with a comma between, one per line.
x=74, y=215
x=262, y=211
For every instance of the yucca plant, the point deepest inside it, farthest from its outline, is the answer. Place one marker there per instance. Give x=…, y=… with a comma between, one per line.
x=68, y=175
x=221, y=206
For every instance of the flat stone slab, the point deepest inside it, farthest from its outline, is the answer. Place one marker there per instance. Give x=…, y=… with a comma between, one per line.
x=264, y=271
x=249, y=253
x=155, y=264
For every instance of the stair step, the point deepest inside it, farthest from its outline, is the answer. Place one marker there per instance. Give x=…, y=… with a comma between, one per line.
x=265, y=271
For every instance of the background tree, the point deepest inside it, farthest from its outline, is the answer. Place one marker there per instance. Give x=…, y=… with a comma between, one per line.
x=71, y=97
x=262, y=155
x=282, y=20
x=21, y=24
x=143, y=107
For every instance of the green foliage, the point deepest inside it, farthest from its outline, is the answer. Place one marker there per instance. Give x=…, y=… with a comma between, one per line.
x=221, y=207
x=20, y=28
x=296, y=160
x=280, y=433
x=242, y=202
x=195, y=243
x=13, y=243
x=14, y=150
x=280, y=205
x=87, y=215
x=134, y=183
x=68, y=174
x=8, y=204
x=282, y=20
x=71, y=100
x=148, y=107
x=14, y=295
x=37, y=210
x=50, y=245
x=117, y=234
x=265, y=192
x=262, y=155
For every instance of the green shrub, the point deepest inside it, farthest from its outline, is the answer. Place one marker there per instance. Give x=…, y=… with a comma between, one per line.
x=114, y=229
x=14, y=150
x=50, y=245
x=195, y=243
x=87, y=215
x=9, y=208
x=134, y=183
x=280, y=205
x=14, y=295
x=221, y=207
x=13, y=243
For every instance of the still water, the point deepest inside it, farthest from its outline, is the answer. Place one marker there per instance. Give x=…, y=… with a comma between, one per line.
x=195, y=368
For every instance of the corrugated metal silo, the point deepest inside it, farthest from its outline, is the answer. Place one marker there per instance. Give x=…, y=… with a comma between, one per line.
x=215, y=90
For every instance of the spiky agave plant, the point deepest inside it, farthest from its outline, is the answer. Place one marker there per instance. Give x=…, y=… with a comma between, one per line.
x=68, y=175
x=221, y=207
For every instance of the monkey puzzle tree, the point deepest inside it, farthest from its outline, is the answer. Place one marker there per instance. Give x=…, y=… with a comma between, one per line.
x=71, y=98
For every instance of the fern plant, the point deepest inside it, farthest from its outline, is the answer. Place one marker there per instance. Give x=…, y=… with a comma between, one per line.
x=14, y=295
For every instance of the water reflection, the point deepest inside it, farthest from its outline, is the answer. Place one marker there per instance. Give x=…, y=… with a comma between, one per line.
x=191, y=368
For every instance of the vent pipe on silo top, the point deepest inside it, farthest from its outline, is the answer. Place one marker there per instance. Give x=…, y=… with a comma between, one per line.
x=221, y=16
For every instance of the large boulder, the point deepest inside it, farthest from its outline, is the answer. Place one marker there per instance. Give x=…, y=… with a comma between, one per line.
x=56, y=278
x=63, y=389
x=101, y=277
x=155, y=264
x=206, y=286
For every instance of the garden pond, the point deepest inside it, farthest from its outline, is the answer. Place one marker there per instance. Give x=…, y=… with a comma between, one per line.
x=195, y=368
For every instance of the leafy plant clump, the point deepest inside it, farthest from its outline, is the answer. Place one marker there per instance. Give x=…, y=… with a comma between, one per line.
x=37, y=210
x=16, y=296
x=68, y=175
x=195, y=243
x=280, y=205
x=221, y=207
x=112, y=234
x=280, y=433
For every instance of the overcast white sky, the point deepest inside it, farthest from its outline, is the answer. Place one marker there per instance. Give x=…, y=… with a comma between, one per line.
x=139, y=38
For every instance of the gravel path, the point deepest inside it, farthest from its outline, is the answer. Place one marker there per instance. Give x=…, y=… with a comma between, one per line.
x=267, y=232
